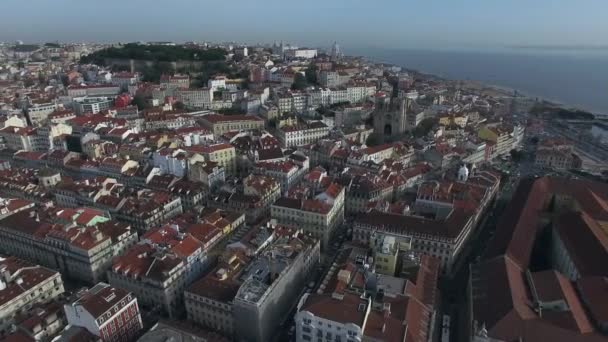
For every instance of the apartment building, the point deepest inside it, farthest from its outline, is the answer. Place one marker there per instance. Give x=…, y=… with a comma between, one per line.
x=442, y=217
x=220, y=124
x=246, y=298
x=287, y=173
x=302, y=133
x=223, y=154
x=195, y=98
x=22, y=286
x=166, y=260
x=319, y=216
x=110, y=313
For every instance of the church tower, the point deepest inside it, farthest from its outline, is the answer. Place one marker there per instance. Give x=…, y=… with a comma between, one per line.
x=390, y=115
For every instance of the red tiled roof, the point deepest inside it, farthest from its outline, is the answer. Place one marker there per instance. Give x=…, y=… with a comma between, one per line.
x=218, y=118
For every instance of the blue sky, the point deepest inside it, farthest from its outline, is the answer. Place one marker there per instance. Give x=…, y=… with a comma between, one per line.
x=353, y=23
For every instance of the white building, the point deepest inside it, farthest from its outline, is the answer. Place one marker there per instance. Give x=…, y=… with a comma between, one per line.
x=301, y=53
x=217, y=83
x=22, y=285
x=298, y=135
x=92, y=105
x=195, y=98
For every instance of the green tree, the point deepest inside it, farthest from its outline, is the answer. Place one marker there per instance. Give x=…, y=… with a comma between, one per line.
x=373, y=140
x=179, y=105
x=299, y=82
x=311, y=74
x=424, y=127
x=139, y=101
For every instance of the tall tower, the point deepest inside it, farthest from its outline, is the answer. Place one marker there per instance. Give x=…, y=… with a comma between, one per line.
x=390, y=116
x=335, y=51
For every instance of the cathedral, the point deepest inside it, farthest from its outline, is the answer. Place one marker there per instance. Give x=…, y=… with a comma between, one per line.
x=390, y=116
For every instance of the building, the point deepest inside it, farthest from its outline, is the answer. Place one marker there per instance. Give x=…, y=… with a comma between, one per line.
x=220, y=124
x=125, y=79
x=546, y=304
x=166, y=260
x=79, y=243
x=501, y=136
x=301, y=53
x=107, y=312
x=92, y=105
x=302, y=133
x=21, y=138
x=165, y=331
x=248, y=298
x=195, y=98
x=40, y=111
x=217, y=83
x=223, y=154
x=390, y=116
x=441, y=219
x=286, y=173
x=23, y=285
x=320, y=216
x=95, y=90
x=557, y=154
x=176, y=81
x=208, y=173
x=363, y=190
x=267, y=188
x=360, y=305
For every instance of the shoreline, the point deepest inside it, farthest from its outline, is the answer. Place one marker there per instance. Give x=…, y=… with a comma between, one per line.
x=504, y=91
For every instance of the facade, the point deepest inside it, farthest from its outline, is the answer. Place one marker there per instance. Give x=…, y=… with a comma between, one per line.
x=320, y=216
x=223, y=154
x=500, y=136
x=195, y=98
x=166, y=260
x=361, y=305
x=390, y=116
x=271, y=283
x=220, y=124
x=23, y=285
x=557, y=154
x=558, y=303
x=93, y=90
x=80, y=250
x=286, y=173
x=92, y=105
x=110, y=313
x=302, y=134
x=39, y=112
x=441, y=222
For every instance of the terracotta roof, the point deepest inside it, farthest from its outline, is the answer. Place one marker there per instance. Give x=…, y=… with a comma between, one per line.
x=218, y=118
x=594, y=291
x=349, y=309
x=586, y=242
x=101, y=298
x=31, y=275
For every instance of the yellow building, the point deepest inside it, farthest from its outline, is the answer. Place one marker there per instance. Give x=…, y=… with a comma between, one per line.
x=220, y=124
x=386, y=249
x=222, y=154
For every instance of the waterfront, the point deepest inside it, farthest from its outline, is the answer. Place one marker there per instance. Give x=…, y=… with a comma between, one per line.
x=571, y=77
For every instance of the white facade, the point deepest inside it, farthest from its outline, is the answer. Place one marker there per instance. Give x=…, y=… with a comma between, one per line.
x=310, y=327
x=195, y=98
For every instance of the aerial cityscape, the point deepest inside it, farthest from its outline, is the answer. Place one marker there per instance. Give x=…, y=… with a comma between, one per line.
x=221, y=191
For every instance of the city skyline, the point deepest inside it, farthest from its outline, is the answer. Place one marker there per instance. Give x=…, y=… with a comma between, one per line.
x=355, y=24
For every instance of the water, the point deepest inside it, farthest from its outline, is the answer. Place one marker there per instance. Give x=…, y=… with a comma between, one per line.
x=601, y=132
x=577, y=78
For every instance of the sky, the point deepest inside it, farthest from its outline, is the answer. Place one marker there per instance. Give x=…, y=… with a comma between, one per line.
x=353, y=23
